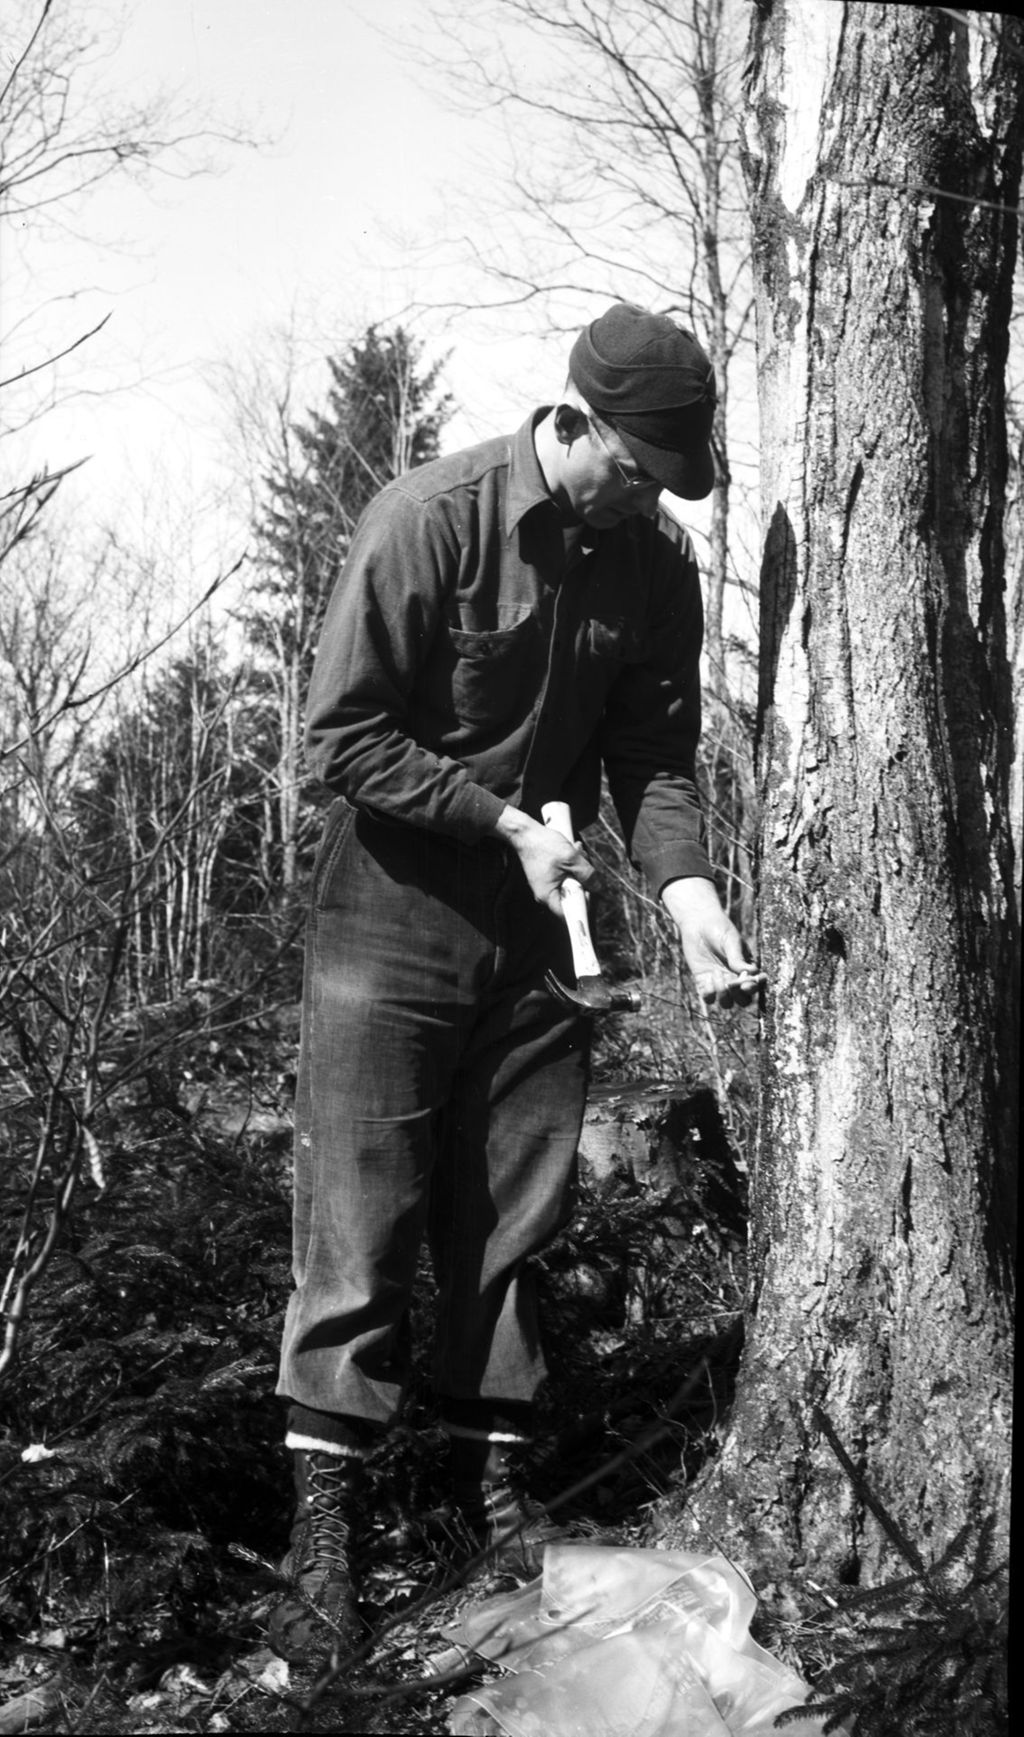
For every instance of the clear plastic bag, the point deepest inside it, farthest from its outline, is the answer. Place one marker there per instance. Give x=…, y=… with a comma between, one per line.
x=625, y=1643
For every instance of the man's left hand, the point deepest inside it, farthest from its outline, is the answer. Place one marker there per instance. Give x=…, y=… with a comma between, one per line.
x=712, y=945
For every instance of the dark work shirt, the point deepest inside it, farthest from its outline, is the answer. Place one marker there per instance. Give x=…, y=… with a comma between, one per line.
x=468, y=662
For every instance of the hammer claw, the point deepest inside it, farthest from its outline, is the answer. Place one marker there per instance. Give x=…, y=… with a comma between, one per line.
x=593, y=995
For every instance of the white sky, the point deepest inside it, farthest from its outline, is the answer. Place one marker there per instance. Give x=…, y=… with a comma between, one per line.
x=335, y=223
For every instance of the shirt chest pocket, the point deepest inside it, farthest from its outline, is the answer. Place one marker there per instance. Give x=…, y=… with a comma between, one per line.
x=492, y=670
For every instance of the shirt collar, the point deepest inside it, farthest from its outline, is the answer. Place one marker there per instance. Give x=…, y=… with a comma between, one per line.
x=526, y=485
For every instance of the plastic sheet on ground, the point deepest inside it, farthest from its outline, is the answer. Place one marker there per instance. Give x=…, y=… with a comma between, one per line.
x=612, y=1642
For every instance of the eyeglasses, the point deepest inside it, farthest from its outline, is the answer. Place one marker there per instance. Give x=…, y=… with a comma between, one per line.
x=634, y=481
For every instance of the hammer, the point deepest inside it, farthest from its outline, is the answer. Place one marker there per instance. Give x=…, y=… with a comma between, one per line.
x=592, y=994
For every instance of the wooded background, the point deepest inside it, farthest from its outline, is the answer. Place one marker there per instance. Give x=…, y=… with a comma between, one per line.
x=830, y=193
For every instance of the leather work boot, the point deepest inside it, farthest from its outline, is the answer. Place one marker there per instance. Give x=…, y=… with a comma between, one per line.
x=494, y=1511
x=319, y=1613
x=513, y=1529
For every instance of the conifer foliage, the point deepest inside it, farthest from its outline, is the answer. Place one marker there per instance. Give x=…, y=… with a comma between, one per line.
x=925, y=1654
x=383, y=414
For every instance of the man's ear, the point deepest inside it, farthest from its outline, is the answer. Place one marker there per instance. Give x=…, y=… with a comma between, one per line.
x=570, y=422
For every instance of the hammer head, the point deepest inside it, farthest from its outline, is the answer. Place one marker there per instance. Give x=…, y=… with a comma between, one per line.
x=593, y=995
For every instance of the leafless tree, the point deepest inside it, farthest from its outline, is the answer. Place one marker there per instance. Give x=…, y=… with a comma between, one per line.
x=622, y=122
x=64, y=936
x=63, y=132
x=49, y=609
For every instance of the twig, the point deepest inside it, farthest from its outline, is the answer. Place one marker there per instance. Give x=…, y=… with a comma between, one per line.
x=75, y=704
x=58, y=356
x=906, y=1548
x=926, y=191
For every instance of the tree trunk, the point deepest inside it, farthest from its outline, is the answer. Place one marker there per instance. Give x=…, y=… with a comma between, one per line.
x=1015, y=638
x=881, y=1238
x=709, y=29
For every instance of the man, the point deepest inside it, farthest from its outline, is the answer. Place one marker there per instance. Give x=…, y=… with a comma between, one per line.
x=508, y=619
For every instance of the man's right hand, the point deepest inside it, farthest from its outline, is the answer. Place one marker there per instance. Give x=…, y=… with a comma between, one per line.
x=547, y=858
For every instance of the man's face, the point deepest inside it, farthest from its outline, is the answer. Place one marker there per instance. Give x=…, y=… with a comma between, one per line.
x=603, y=483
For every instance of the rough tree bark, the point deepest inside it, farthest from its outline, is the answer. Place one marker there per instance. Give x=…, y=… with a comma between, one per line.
x=884, y=166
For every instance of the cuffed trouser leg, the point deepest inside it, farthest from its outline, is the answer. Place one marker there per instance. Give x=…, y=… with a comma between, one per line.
x=437, y=1084
x=348, y=1437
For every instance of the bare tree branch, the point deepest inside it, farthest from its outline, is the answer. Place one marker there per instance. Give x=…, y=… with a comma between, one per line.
x=58, y=356
x=72, y=703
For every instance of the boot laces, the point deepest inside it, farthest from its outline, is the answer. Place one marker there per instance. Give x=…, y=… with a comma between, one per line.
x=330, y=1494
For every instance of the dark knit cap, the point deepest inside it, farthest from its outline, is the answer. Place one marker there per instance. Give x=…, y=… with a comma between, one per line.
x=651, y=381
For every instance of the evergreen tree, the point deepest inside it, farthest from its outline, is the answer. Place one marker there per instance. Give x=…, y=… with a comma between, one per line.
x=383, y=415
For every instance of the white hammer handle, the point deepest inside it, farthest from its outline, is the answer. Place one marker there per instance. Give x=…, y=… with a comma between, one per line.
x=574, y=899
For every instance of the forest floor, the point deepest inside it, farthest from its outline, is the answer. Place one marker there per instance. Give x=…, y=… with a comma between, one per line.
x=144, y=1492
